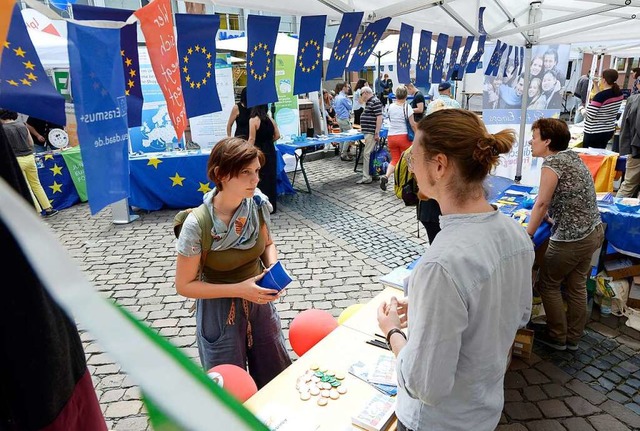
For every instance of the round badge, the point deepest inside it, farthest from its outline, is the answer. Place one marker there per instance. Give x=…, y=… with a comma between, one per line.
x=58, y=138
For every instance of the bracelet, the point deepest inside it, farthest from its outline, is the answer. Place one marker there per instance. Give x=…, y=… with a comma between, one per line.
x=393, y=331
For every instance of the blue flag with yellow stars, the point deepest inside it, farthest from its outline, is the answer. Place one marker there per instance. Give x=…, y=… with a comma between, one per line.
x=24, y=85
x=128, y=53
x=521, y=60
x=453, y=57
x=368, y=42
x=197, y=55
x=404, y=53
x=516, y=60
x=481, y=29
x=438, y=60
x=98, y=89
x=261, y=69
x=343, y=43
x=475, y=60
x=423, y=64
x=308, y=75
x=494, y=62
x=461, y=66
x=506, y=63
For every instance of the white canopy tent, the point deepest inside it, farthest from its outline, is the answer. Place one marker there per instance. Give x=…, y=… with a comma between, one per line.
x=285, y=44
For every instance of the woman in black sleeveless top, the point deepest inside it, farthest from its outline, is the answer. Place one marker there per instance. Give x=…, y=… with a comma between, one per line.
x=240, y=116
x=263, y=132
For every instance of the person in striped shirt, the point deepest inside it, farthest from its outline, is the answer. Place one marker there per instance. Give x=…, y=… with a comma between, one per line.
x=601, y=114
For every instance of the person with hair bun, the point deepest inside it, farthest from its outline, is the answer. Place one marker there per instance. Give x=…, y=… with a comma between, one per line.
x=236, y=320
x=470, y=291
x=566, y=195
x=601, y=114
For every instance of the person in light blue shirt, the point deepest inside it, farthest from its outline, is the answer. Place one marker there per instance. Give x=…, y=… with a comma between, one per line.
x=444, y=99
x=343, y=107
x=470, y=291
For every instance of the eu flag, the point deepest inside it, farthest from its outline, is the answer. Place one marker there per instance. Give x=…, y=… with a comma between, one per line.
x=128, y=53
x=506, y=63
x=97, y=85
x=368, y=42
x=516, y=60
x=453, y=57
x=261, y=76
x=460, y=67
x=494, y=62
x=481, y=29
x=24, y=85
x=197, y=55
x=404, y=53
x=438, y=60
x=308, y=75
x=342, y=44
x=475, y=60
x=521, y=59
x=423, y=65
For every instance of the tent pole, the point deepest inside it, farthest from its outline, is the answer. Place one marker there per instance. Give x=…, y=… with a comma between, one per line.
x=523, y=112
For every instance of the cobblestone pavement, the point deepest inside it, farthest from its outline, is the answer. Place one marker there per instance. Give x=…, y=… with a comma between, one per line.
x=337, y=241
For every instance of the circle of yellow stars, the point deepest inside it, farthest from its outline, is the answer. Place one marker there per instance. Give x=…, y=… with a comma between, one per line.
x=185, y=69
x=29, y=67
x=423, y=58
x=129, y=70
x=372, y=43
x=308, y=45
x=349, y=38
x=438, y=64
x=256, y=48
x=403, y=54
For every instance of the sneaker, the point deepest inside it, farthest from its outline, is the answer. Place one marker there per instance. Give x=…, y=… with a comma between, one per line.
x=544, y=338
x=572, y=345
x=363, y=181
x=50, y=212
x=383, y=183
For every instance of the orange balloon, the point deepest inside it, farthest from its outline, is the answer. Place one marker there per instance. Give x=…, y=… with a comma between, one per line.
x=309, y=327
x=237, y=381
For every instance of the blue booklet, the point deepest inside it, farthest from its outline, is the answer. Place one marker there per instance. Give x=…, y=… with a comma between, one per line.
x=276, y=278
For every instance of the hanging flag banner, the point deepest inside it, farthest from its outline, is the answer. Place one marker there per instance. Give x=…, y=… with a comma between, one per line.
x=5, y=19
x=506, y=63
x=24, y=85
x=475, y=60
x=404, y=53
x=516, y=59
x=343, y=43
x=368, y=42
x=438, y=60
x=196, y=52
x=481, y=29
x=453, y=57
x=156, y=22
x=521, y=60
x=308, y=73
x=458, y=72
x=261, y=76
x=423, y=65
x=97, y=85
x=128, y=54
x=494, y=63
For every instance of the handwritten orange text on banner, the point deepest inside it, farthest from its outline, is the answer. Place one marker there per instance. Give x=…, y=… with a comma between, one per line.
x=156, y=22
x=6, y=6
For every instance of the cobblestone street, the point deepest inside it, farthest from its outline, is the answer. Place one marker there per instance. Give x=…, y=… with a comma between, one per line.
x=336, y=242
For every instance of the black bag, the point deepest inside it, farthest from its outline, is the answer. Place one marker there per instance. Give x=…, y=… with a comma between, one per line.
x=409, y=193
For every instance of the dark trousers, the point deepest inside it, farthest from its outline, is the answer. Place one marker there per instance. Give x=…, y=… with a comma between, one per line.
x=429, y=215
x=356, y=115
x=596, y=140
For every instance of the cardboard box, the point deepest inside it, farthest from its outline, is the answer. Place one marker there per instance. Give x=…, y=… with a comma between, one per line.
x=620, y=266
x=523, y=343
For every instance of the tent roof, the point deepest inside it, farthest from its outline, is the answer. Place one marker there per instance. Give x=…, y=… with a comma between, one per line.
x=590, y=25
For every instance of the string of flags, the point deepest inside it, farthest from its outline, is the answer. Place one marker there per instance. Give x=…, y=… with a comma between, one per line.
x=184, y=63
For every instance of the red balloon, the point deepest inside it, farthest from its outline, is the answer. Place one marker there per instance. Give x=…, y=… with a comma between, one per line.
x=235, y=380
x=309, y=327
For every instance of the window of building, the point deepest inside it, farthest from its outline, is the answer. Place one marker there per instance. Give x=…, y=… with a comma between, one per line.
x=229, y=21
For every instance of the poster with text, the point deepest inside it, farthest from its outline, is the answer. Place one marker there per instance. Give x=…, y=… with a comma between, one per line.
x=287, y=115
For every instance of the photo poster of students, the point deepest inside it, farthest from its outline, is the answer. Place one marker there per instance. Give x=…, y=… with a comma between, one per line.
x=503, y=96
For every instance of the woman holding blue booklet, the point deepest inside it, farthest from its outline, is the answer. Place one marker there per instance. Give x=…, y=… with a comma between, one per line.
x=470, y=291
x=236, y=321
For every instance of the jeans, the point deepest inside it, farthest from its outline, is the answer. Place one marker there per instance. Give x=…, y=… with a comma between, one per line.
x=567, y=263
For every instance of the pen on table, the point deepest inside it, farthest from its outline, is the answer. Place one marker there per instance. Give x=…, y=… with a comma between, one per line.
x=378, y=343
x=380, y=336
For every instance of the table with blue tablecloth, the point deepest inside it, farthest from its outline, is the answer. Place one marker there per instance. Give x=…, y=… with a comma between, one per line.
x=178, y=179
x=61, y=174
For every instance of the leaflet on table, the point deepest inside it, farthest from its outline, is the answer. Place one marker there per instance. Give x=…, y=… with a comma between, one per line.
x=277, y=418
x=376, y=413
x=381, y=370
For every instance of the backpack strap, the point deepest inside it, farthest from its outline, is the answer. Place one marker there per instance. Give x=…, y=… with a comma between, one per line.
x=205, y=222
